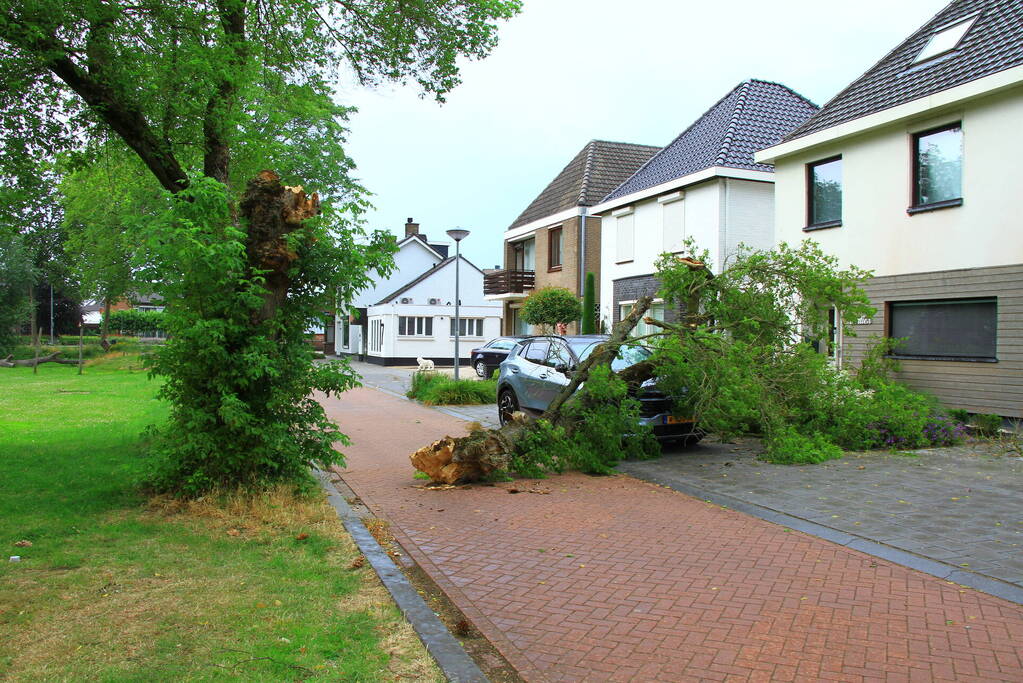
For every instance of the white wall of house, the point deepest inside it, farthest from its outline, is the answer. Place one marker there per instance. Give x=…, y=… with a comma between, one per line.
x=411, y=261
x=718, y=214
x=877, y=233
x=440, y=344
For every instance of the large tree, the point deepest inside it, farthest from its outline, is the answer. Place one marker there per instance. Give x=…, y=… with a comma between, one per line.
x=204, y=94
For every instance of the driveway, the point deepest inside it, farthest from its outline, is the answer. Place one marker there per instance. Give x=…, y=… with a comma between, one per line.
x=578, y=578
x=962, y=506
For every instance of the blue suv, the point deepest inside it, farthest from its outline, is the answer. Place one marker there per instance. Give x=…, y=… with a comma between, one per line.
x=538, y=368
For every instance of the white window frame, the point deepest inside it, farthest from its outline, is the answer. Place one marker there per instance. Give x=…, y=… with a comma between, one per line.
x=625, y=235
x=473, y=327
x=422, y=326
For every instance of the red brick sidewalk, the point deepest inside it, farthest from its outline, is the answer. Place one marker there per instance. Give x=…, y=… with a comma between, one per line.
x=610, y=578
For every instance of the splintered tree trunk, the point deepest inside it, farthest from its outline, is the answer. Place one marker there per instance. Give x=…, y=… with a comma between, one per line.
x=273, y=211
x=454, y=460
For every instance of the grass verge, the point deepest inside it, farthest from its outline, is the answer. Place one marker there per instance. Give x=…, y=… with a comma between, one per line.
x=435, y=389
x=118, y=587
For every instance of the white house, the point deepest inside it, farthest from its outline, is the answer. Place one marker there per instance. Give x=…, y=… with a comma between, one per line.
x=411, y=313
x=912, y=172
x=704, y=185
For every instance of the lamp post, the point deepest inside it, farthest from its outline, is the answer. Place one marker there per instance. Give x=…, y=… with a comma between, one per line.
x=457, y=234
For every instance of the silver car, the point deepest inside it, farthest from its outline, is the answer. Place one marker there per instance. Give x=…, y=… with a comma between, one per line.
x=538, y=368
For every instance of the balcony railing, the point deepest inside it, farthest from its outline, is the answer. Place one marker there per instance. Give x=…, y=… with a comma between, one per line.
x=508, y=282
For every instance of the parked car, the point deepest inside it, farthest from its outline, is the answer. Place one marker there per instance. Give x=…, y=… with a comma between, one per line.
x=489, y=357
x=537, y=369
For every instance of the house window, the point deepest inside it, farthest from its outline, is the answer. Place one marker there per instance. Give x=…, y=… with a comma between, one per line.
x=554, y=242
x=468, y=327
x=938, y=167
x=524, y=257
x=673, y=224
x=415, y=326
x=945, y=40
x=824, y=193
x=376, y=335
x=346, y=333
x=642, y=328
x=625, y=240
x=956, y=329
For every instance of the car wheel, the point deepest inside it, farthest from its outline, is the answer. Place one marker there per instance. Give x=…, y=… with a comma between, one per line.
x=481, y=369
x=507, y=403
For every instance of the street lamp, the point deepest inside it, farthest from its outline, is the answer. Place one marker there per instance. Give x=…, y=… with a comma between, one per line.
x=457, y=234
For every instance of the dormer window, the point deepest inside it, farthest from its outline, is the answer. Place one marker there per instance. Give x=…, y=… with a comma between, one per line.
x=945, y=40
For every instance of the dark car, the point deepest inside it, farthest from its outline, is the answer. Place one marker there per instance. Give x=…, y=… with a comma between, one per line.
x=489, y=357
x=538, y=368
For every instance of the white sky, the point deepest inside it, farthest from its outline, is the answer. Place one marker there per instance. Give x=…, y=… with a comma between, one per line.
x=569, y=71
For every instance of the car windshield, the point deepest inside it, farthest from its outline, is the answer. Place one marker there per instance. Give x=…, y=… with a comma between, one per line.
x=628, y=354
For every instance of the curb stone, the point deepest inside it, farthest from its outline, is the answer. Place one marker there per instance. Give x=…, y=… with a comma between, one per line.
x=941, y=570
x=453, y=661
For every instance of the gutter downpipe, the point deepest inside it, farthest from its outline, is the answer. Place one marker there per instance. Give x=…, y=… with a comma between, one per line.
x=582, y=249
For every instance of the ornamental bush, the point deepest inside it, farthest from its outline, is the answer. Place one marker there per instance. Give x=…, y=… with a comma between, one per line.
x=548, y=306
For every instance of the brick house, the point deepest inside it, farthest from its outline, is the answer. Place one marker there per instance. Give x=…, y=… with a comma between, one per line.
x=703, y=185
x=555, y=241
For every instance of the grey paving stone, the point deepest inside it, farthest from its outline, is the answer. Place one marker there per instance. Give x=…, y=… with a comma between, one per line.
x=958, y=505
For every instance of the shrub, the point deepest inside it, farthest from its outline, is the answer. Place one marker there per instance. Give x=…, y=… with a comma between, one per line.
x=548, y=306
x=786, y=445
x=959, y=414
x=987, y=424
x=436, y=389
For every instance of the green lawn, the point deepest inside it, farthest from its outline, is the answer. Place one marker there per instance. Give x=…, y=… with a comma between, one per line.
x=117, y=587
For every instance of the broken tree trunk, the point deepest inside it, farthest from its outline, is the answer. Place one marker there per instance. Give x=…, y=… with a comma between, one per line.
x=454, y=460
x=273, y=212
x=34, y=362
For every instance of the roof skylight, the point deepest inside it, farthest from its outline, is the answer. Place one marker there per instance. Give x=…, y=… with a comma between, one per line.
x=945, y=40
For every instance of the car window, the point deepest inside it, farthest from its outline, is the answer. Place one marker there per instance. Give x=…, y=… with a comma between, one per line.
x=536, y=352
x=558, y=355
x=628, y=354
x=502, y=344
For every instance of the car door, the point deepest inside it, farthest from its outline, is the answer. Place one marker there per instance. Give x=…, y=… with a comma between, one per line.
x=532, y=366
x=549, y=380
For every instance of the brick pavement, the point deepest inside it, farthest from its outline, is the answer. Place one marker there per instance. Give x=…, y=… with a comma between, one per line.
x=611, y=578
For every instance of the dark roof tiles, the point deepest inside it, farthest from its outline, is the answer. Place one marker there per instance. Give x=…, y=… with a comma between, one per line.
x=754, y=115
x=597, y=169
x=993, y=43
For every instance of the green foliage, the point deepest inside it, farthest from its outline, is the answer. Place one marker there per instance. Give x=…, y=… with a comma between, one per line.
x=17, y=275
x=435, y=389
x=600, y=428
x=786, y=445
x=960, y=415
x=987, y=424
x=548, y=306
x=134, y=321
x=589, y=323
x=738, y=367
x=242, y=410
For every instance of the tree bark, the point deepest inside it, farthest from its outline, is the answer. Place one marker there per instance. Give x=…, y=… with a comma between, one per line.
x=273, y=211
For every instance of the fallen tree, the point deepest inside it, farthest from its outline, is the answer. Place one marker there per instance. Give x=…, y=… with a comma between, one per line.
x=752, y=351
x=8, y=362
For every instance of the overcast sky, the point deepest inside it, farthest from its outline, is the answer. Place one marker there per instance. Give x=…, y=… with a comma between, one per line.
x=569, y=71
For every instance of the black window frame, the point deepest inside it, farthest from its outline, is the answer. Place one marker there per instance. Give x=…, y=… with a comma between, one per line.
x=810, y=224
x=915, y=205
x=891, y=306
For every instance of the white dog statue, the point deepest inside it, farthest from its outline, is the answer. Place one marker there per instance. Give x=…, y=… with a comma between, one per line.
x=425, y=365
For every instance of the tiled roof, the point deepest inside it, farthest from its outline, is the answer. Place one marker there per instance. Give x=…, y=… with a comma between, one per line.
x=756, y=114
x=597, y=169
x=993, y=43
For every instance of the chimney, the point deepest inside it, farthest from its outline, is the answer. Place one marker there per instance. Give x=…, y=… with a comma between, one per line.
x=411, y=228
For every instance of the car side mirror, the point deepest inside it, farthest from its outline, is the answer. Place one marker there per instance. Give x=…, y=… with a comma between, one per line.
x=562, y=368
